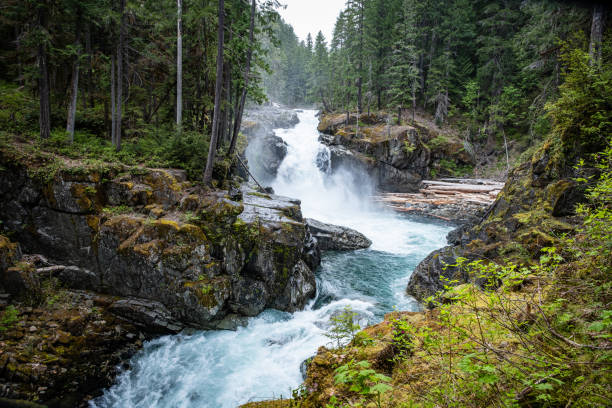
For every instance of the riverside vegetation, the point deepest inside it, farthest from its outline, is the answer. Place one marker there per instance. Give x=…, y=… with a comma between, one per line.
x=519, y=303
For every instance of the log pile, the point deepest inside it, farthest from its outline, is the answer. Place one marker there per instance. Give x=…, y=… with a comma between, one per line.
x=454, y=200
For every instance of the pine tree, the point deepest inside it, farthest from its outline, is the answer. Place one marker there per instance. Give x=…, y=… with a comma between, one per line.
x=404, y=70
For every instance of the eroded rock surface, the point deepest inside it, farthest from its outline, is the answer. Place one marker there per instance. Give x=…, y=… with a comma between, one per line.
x=534, y=207
x=147, y=236
x=397, y=156
x=337, y=238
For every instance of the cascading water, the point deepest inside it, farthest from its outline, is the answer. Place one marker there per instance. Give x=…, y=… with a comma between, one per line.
x=262, y=360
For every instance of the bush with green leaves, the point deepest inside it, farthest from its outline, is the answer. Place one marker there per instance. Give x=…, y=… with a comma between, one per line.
x=9, y=318
x=343, y=327
x=363, y=380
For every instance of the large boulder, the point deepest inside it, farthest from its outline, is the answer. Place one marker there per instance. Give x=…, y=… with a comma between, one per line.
x=337, y=238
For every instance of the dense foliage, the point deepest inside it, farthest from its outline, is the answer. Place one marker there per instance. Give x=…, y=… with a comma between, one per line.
x=533, y=333
x=114, y=65
x=487, y=67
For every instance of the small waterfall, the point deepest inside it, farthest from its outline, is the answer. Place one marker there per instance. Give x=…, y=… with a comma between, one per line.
x=223, y=369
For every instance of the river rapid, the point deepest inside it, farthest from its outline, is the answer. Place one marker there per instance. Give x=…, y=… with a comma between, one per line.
x=223, y=369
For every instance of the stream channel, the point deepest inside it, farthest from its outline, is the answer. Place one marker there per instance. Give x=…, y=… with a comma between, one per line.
x=223, y=369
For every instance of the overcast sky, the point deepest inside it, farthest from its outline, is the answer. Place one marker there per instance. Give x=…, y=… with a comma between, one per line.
x=310, y=16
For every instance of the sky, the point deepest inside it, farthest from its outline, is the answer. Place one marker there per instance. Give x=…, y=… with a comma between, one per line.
x=310, y=16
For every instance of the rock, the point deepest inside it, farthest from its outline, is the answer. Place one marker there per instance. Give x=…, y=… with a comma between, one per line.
x=190, y=264
x=265, y=155
x=10, y=253
x=260, y=120
x=149, y=314
x=304, y=367
x=337, y=238
x=533, y=208
x=232, y=322
x=397, y=157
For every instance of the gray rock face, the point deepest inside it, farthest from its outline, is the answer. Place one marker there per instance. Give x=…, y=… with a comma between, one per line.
x=174, y=258
x=425, y=280
x=265, y=155
x=337, y=238
x=391, y=166
x=266, y=151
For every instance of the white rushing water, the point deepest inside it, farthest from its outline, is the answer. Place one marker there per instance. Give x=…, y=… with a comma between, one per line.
x=262, y=360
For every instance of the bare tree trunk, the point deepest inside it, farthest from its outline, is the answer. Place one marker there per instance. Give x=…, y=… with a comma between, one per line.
x=120, y=51
x=207, y=178
x=227, y=73
x=360, y=79
x=88, y=51
x=413, y=99
x=247, y=72
x=44, y=118
x=113, y=101
x=179, y=65
x=224, y=104
x=507, y=157
x=75, y=83
x=19, y=62
x=597, y=28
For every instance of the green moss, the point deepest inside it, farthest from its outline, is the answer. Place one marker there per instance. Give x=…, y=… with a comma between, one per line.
x=258, y=194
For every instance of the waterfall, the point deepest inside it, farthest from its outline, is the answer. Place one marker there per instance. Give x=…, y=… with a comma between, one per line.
x=262, y=360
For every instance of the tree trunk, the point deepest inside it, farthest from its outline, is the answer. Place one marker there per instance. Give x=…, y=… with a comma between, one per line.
x=120, y=52
x=113, y=101
x=179, y=65
x=247, y=70
x=360, y=67
x=90, y=83
x=224, y=104
x=44, y=118
x=227, y=72
x=597, y=28
x=413, y=99
x=218, y=85
x=75, y=83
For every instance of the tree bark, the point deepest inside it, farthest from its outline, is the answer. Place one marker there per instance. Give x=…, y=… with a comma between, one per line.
x=113, y=101
x=247, y=71
x=90, y=84
x=224, y=105
x=44, y=118
x=75, y=83
x=120, y=52
x=207, y=178
x=227, y=72
x=597, y=28
x=179, y=65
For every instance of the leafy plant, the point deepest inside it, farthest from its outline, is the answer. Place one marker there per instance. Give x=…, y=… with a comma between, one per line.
x=343, y=327
x=362, y=379
x=9, y=317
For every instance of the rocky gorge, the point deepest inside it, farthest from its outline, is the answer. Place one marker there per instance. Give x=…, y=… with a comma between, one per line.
x=135, y=252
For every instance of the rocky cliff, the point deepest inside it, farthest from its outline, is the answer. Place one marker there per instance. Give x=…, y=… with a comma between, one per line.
x=535, y=206
x=397, y=156
x=139, y=251
x=150, y=237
